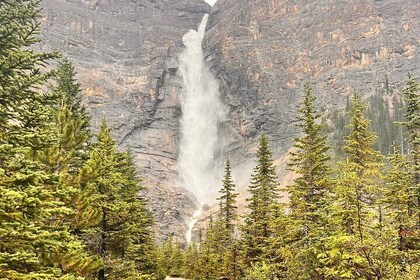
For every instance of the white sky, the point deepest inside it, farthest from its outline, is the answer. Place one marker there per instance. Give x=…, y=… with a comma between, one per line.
x=211, y=2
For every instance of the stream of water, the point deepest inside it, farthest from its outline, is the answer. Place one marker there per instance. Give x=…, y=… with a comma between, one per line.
x=202, y=111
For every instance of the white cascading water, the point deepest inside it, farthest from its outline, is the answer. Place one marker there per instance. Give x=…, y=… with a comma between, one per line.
x=191, y=224
x=202, y=111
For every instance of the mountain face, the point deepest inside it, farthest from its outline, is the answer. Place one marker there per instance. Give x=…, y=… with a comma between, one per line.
x=125, y=52
x=261, y=51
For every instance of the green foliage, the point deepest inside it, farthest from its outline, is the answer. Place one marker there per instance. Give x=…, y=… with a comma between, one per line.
x=310, y=195
x=397, y=191
x=227, y=205
x=260, y=271
x=385, y=113
x=50, y=207
x=261, y=205
x=123, y=235
x=34, y=241
x=411, y=96
x=70, y=209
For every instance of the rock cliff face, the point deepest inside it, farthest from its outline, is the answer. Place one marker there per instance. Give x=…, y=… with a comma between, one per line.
x=261, y=51
x=125, y=52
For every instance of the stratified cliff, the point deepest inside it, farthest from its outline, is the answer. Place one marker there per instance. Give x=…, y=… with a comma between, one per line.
x=263, y=51
x=125, y=52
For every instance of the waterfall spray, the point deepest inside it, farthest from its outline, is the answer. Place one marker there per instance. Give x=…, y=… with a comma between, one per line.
x=202, y=111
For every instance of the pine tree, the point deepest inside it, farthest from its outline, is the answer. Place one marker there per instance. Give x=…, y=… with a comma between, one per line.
x=361, y=168
x=397, y=195
x=310, y=195
x=226, y=226
x=72, y=118
x=69, y=91
x=211, y=251
x=192, y=262
x=227, y=209
x=71, y=121
x=359, y=202
x=123, y=237
x=34, y=244
x=264, y=198
x=411, y=96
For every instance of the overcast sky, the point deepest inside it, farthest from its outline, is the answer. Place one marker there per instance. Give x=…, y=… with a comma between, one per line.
x=211, y=2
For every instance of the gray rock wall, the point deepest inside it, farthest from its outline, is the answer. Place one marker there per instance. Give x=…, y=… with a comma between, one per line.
x=125, y=52
x=263, y=51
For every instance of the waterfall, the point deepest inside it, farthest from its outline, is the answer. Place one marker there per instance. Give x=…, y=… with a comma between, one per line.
x=199, y=166
x=191, y=224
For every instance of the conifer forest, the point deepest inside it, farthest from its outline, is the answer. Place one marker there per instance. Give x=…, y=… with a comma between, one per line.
x=73, y=205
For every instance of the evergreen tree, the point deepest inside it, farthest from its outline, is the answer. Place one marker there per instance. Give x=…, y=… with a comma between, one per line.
x=411, y=96
x=123, y=237
x=359, y=204
x=227, y=209
x=397, y=196
x=310, y=195
x=192, y=262
x=69, y=92
x=263, y=201
x=34, y=243
x=226, y=226
x=72, y=119
x=211, y=251
x=361, y=168
x=69, y=154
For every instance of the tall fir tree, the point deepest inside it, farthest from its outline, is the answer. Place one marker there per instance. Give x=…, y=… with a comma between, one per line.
x=361, y=169
x=310, y=194
x=398, y=182
x=359, y=201
x=411, y=95
x=211, y=251
x=71, y=121
x=123, y=236
x=227, y=205
x=228, y=267
x=264, y=199
x=34, y=244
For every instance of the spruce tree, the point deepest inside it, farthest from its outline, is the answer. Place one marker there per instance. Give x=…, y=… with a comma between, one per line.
x=34, y=243
x=360, y=168
x=226, y=226
x=191, y=262
x=397, y=196
x=123, y=237
x=71, y=121
x=227, y=206
x=358, y=201
x=72, y=118
x=261, y=205
x=211, y=251
x=411, y=95
x=310, y=194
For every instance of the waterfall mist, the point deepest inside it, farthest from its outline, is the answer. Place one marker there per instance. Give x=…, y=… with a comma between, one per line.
x=200, y=164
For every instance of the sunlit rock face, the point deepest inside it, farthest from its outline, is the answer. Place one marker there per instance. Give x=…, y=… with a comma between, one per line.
x=126, y=54
x=263, y=51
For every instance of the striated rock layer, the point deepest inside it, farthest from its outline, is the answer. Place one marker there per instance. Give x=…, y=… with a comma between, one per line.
x=263, y=51
x=125, y=52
